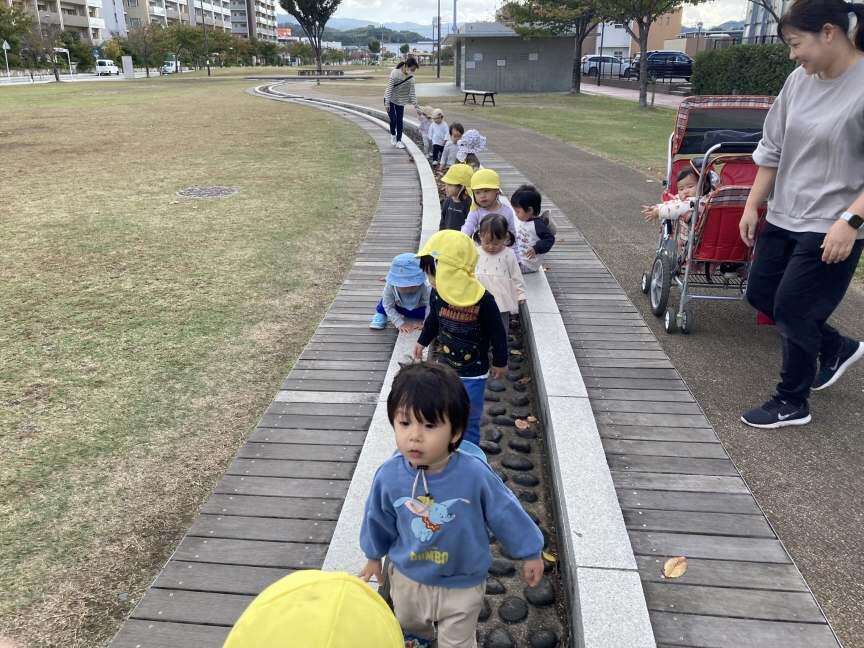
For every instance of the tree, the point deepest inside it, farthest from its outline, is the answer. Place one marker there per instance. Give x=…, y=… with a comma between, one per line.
x=79, y=51
x=447, y=55
x=111, y=49
x=546, y=18
x=15, y=26
x=298, y=50
x=312, y=16
x=637, y=16
x=147, y=46
x=186, y=41
x=268, y=51
x=333, y=56
x=374, y=46
x=405, y=48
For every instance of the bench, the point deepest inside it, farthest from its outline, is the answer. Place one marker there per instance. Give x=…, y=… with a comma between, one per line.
x=474, y=93
x=324, y=72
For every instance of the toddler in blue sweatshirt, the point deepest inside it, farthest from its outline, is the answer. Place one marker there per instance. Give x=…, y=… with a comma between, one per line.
x=429, y=510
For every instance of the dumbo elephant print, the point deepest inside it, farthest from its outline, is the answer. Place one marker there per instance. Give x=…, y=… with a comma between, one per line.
x=431, y=515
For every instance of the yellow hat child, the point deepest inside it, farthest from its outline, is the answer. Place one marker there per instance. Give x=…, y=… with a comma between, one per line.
x=455, y=260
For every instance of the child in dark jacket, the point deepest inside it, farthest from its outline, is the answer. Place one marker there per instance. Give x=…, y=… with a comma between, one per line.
x=429, y=510
x=464, y=317
x=535, y=232
x=457, y=203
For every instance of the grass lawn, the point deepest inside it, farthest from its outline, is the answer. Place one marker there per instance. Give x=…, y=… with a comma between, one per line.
x=142, y=334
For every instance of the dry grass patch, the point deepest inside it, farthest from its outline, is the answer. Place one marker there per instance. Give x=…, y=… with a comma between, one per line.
x=142, y=334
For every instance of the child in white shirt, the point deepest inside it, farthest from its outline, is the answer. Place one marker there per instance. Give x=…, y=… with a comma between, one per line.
x=497, y=267
x=535, y=232
x=424, y=115
x=439, y=133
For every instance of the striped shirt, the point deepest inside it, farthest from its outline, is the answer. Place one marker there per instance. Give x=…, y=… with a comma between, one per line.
x=400, y=89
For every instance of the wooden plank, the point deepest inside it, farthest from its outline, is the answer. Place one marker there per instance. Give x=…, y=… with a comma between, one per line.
x=358, y=373
x=287, y=555
x=308, y=508
x=308, y=437
x=673, y=465
x=705, y=546
x=634, y=384
x=661, y=500
x=722, y=632
x=647, y=407
x=300, y=452
x=652, y=395
x=157, y=634
x=729, y=524
x=191, y=607
x=342, y=365
x=639, y=433
x=623, y=372
x=209, y=577
x=654, y=420
x=301, y=421
x=726, y=573
x=291, y=468
x=691, y=483
x=665, y=449
x=255, y=528
x=356, y=386
x=323, y=409
x=282, y=486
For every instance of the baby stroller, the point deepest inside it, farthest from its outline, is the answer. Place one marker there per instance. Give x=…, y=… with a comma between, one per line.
x=702, y=253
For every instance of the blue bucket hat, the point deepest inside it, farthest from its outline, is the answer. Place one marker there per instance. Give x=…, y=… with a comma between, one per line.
x=405, y=272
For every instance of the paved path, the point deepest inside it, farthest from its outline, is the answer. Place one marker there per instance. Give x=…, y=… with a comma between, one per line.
x=665, y=100
x=807, y=480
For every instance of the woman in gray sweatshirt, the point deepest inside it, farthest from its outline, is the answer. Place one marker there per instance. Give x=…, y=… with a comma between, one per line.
x=811, y=165
x=399, y=93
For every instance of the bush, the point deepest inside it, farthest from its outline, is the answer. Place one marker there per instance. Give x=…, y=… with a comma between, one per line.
x=743, y=69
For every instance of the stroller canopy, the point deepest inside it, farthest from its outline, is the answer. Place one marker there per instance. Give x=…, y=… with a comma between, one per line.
x=711, y=119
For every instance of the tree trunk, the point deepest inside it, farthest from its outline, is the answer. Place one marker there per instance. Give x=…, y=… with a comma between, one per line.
x=54, y=67
x=577, y=67
x=643, y=64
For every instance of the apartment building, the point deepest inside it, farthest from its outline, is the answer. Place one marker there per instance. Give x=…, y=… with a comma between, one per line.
x=212, y=13
x=83, y=16
x=615, y=40
x=254, y=19
x=759, y=25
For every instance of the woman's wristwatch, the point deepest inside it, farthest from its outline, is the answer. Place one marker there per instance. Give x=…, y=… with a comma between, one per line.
x=854, y=220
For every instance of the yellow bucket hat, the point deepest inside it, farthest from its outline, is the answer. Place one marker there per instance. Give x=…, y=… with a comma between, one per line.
x=459, y=174
x=485, y=179
x=456, y=259
x=321, y=609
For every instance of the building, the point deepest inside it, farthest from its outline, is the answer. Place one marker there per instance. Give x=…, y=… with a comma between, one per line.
x=691, y=43
x=612, y=39
x=114, y=13
x=254, y=19
x=759, y=25
x=493, y=57
x=665, y=27
x=83, y=16
x=213, y=13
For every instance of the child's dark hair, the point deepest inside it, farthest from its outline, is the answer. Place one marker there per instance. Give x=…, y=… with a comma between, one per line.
x=456, y=126
x=494, y=226
x=410, y=62
x=525, y=197
x=812, y=15
x=433, y=393
x=472, y=160
x=427, y=264
x=688, y=172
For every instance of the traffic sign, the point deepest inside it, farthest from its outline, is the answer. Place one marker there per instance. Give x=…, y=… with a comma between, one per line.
x=6, y=46
x=96, y=52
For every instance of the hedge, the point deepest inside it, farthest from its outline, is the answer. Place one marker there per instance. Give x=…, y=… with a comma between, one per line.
x=742, y=69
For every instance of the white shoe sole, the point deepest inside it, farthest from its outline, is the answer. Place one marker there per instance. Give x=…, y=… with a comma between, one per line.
x=400, y=145
x=855, y=357
x=778, y=424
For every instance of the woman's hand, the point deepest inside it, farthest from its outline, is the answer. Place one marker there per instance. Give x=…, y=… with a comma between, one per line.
x=650, y=213
x=838, y=242
x=747, y=226
x=371, y=570
x=532, y=571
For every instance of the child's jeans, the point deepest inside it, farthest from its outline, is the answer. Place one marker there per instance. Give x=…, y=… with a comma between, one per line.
x=419, y=608
x=437, y=150
x=413, y=314
x=476, y=388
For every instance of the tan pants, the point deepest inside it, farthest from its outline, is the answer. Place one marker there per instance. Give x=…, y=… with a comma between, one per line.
x=421, y=608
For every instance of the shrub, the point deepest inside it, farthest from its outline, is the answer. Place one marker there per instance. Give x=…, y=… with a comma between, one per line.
x=743, y=69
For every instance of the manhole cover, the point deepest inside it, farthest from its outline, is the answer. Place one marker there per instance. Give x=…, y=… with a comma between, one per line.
x=207, y=192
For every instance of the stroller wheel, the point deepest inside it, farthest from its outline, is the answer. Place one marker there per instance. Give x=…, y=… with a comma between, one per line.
x=645, y=285
x=660, y=284
x=669, y=321
x=686, y=321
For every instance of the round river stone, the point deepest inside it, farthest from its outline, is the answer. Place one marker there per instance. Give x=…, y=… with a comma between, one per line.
x=496, y=410
x=541, y=595
x=498, y=638
x=543, y=639
x=529, y=433
x=486, y=611
x=503, y=420
x=490, y=447
x=491, y=398
x=520, y=387
x=528, y=496
x=496, y=386
x=520, y=445
x=513, y=610
x=516, y=462
x=514, y=375
x=494, y=586
x=520, y=400
x=502, y=568
x=525, y=479
x=494, y=435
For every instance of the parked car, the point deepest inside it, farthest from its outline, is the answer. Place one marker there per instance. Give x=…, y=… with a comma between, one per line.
x=609, y=65
x=664, y=64
x=104, y=67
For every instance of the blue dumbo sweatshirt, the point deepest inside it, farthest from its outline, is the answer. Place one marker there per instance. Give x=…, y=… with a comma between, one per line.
x=433, y=527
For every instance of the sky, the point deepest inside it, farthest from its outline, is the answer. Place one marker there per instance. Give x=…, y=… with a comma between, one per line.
x=422, y=11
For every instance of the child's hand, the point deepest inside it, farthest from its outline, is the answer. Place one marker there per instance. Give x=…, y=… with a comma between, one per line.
x=373, y=570
x=499, y=373
x=418, y=351
x=406, y=327
x=650, y=213
x=532, y=571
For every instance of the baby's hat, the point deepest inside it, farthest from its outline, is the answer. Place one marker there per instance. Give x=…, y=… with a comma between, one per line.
x=405, y=271
x=472, y=142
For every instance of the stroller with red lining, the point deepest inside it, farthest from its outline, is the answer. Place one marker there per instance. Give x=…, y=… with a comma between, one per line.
x=702, y=253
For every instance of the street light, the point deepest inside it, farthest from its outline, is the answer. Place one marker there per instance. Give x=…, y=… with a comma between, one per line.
x=438, y=73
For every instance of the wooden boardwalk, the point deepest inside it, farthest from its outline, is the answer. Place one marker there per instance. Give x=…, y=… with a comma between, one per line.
x=679, y=492
x=275, y=509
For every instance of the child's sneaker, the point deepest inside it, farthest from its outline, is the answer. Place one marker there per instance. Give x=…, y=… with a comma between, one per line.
x=400, y=145
x=416, y=642
x=379, y=321
x=850, y=352
x=392, y=140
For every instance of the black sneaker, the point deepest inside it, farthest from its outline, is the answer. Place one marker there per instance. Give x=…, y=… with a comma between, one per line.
x=850, y=353
x=777, y=413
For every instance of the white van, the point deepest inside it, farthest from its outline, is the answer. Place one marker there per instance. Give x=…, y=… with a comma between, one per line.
x=104, y=66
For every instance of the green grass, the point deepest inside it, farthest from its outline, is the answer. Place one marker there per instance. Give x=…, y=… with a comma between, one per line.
x=142, y=334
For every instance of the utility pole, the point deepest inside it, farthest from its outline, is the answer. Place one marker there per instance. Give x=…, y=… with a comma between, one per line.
x=454, y=16
x=206, y=44
x=438, y=73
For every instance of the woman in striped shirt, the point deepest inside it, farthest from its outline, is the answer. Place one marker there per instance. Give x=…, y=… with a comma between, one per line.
x=399, y=93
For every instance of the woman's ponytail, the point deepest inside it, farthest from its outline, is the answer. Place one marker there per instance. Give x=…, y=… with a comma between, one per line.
x=812, y=15
x=858, y=10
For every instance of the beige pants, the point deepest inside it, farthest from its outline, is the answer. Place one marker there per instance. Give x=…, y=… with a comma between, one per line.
x=421, y=608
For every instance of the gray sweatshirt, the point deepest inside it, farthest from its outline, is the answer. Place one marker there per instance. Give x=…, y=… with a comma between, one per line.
x=814, y=136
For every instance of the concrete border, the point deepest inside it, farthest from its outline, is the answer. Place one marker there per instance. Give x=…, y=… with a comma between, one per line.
x=607, y=603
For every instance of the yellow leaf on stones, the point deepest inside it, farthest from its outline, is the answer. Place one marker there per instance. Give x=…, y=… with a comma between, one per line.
x=522, y=424
x=548, y=557
x=531, y=419
x=515, y=352
x=675, y=567
x=524, y=381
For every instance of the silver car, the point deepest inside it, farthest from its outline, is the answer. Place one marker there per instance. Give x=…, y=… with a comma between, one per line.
x=605, y=65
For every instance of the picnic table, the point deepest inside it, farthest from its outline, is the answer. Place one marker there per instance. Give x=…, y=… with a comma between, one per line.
x=487, y=94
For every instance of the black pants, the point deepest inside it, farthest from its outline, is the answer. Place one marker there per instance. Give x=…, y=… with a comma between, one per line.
x=789, y=282
x=437, y=150
x=397, y=116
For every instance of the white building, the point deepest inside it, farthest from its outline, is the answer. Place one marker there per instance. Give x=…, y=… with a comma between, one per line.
x=613, y=40
x=254, y=19
x=83, y=16
x=759, y=25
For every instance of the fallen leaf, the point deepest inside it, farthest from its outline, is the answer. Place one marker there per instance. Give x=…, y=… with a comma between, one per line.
x=675, y=567
x=515, y=352
x=524, y=381
x=548, y=557
x=531, y=419
x=522, y=424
